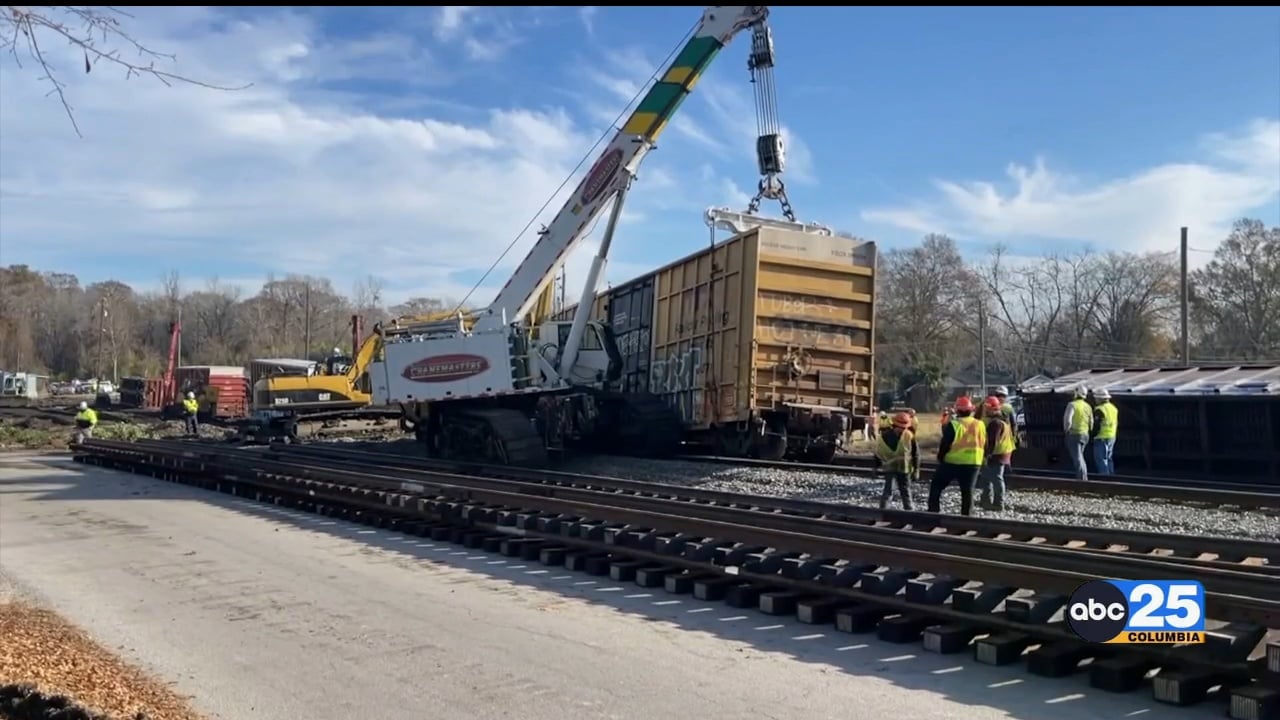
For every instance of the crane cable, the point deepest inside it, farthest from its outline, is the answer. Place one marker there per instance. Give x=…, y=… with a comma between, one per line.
x=586, y=156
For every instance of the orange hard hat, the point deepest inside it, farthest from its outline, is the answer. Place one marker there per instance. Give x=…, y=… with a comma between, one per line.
x=992, y=403
x=964, y=404
x=902, y=419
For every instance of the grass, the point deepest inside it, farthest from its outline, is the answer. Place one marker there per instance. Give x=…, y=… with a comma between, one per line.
x=14, y=437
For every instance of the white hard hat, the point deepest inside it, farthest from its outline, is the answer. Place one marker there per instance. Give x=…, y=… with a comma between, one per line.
x=191, y=395
x=1001, y=390
x=83, y=405
x=1102, y=394
x=1081, y=391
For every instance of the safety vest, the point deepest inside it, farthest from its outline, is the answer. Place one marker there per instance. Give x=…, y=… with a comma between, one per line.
x=1110, y=421
x=87, y=415
x=1081, y=414
x=191, y=405
x=896, y=459
x=1004, y=444
x=969, y=443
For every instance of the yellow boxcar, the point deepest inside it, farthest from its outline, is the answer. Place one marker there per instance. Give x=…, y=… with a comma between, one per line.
x=764, y=343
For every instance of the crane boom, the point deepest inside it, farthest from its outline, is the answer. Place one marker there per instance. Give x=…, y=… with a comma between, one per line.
x=615, y=167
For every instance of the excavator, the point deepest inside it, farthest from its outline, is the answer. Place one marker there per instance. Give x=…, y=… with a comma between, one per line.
x=293, y=399
x=512, y=387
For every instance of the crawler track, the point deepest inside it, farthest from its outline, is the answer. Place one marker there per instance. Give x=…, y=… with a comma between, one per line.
x=908, y=584
x=1200, y=492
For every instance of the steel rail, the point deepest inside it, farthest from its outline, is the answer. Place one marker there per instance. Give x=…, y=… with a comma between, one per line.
x=1231, y=594
x=1247, y=496
x=593, y=532
x=1189, y=547
x=1066, y=474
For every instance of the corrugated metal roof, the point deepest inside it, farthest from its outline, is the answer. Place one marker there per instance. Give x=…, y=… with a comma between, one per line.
x=1215, y=380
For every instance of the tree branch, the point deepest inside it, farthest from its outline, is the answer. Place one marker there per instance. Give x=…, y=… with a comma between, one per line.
x=99, y=34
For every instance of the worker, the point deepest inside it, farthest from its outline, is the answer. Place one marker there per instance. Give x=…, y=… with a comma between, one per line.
x=999, y=453
x=959, y=457
x=915, y=446
x=893, y=456
x=1077, y=422
x=1106, y=419
x=1011, y=417
x=86, y=421
x=190, y=409
x=874, y=429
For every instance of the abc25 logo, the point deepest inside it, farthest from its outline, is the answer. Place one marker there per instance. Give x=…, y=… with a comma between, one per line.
x=1138, y=611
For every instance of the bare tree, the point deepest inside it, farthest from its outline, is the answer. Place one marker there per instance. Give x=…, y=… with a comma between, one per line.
x=98, y=33
x=1236, y=297
x=923, y=297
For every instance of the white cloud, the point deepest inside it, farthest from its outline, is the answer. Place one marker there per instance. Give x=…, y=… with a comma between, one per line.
x=277, y=178
x=1143, y=211
x=587, y=15
x=734, y=108
x=485, y=35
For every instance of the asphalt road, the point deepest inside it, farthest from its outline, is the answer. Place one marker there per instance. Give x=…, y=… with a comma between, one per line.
x=262, y=613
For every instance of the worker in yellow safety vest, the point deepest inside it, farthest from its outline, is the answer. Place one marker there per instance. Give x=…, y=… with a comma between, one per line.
x=1106, y=420
x=883, y=422
x=1077, y=422
x=960, y=454
x=999, y=453
x=893, y=457
x=190, y=409
x=1011, y=417
x=86, y=421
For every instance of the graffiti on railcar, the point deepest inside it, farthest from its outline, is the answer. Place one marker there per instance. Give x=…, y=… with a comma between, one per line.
x=634, y=343
x=804, y=305
x=679, y=377
x=813, y=334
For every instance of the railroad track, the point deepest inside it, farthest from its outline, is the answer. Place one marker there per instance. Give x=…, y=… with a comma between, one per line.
x=1263, y=556
x=942, y=585
x=1203, y=492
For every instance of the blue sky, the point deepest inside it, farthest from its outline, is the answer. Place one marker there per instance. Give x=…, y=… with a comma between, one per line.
x=413, y=144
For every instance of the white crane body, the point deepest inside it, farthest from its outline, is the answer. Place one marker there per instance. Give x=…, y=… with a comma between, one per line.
x=453, y=382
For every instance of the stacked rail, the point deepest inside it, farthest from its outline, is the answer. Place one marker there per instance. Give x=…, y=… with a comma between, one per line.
x=952, y=582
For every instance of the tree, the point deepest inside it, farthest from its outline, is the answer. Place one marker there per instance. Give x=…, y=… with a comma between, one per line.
x=110, y=324
x=923, y=296
x=1236, y=297
x=98, y=33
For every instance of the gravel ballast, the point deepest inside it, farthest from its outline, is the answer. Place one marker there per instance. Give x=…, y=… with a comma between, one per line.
x=1027, y=505
x=861, y=489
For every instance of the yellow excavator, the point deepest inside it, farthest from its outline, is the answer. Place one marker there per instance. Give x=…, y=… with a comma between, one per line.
x=293, y=399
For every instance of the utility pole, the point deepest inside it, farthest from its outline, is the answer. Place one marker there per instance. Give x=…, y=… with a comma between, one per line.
x=177, y=363
x=306, y=315
x=1186, y=302
x=102, y=330
x=982, y=345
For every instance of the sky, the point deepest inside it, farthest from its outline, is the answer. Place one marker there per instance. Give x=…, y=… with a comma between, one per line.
x=414, y=144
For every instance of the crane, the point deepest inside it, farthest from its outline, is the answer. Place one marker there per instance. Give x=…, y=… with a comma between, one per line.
x=515, y=389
